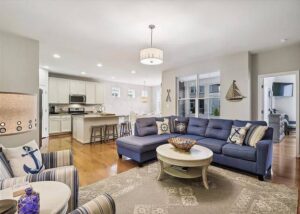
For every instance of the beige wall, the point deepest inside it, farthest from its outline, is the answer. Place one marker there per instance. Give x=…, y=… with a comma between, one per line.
x=19, y=72
x=232, y=67
x=273, y=61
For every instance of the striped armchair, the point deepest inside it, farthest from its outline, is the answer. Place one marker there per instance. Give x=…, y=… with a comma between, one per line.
x=103, y=204
x=58, y=167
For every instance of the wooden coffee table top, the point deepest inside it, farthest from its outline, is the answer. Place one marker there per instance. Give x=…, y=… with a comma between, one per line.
x=197, y=153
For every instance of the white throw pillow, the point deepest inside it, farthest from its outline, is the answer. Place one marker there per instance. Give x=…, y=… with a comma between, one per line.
x=26, y=159
x=163, y=127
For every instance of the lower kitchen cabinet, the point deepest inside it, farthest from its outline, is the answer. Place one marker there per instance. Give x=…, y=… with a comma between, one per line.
x=60, y=124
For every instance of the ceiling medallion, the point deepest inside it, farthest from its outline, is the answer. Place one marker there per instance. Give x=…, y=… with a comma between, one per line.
x=151, y=56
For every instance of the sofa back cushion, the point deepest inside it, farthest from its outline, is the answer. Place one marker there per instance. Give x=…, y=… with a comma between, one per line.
x=172, y=120
x=242, y=123
x=197, y=126
x=268, y=134
x=218, y=129
x=145, y=126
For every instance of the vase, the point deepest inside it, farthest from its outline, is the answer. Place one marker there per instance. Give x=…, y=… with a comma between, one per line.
x=29, y=202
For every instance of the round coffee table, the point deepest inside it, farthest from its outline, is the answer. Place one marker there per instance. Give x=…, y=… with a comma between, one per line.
x=194, y=163
x=54, y=196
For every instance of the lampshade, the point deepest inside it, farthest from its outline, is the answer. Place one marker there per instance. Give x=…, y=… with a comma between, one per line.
x=18, y=113
x=151, y=56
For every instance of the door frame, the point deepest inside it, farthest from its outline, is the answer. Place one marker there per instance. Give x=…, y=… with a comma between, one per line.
x=260, y=100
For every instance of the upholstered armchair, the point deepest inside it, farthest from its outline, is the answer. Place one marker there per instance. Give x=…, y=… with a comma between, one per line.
x=58, y=167
x=103, y=204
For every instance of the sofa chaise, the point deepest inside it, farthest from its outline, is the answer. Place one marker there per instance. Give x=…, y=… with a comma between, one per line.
x=211, y=133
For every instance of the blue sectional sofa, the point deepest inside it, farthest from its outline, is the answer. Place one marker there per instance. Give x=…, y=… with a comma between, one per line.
x=212, y=133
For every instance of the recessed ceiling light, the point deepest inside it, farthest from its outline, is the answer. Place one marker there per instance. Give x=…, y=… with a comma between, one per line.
x=133, y=71
x=283, y=40
x=56, y=56
x=46, y=67
x=113, y=77
x=83, y=73
x=99, y=65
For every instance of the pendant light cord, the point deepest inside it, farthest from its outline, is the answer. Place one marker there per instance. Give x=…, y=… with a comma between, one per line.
x=151, y=36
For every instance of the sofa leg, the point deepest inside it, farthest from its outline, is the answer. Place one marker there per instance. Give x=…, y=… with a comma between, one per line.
x=120, y=156
x=261, y=178
x=140, y=164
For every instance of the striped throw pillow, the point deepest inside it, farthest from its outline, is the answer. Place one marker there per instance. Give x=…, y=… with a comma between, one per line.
x=5, y=170
x=255, y=134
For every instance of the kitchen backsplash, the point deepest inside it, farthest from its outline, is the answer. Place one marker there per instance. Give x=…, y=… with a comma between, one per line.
x=61, y=108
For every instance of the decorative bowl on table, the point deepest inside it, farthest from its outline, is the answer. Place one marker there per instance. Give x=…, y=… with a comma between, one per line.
x=182, y=143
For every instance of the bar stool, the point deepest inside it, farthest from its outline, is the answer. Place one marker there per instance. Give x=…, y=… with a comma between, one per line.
x=97, y=133
x=111, y=131
x=125, y=129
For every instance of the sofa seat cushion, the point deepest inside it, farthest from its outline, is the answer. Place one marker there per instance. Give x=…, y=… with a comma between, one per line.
x=214, y=144
x=144, y=144
x=192, y=137
x=238, y=151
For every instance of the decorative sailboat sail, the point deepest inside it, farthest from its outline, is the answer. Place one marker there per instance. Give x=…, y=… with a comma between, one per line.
x=234, y=93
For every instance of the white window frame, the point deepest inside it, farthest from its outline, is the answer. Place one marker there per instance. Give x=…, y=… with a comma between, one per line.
x=197, y=98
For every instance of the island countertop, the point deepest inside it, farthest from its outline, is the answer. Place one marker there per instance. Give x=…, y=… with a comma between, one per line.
x=99, y=116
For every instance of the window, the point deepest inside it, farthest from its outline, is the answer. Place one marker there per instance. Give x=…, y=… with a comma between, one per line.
x=187, y=92
x=199, y=95
x=115, y=92
x=131, y=93
x=214, y=88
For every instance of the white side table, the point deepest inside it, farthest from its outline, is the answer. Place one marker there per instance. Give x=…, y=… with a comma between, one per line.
x=54, y=196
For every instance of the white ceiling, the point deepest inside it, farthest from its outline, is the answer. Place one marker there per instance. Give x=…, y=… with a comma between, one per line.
x=85, y=32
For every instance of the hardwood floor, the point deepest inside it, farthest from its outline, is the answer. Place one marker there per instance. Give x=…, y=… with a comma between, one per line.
x=98, y=161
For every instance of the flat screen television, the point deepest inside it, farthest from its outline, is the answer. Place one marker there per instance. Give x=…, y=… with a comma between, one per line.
x=282, y=89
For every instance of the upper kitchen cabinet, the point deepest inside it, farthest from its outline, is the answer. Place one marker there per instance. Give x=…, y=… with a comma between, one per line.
x=99, y=93
x=58, y=91
x=90, y=92
x=77, y=87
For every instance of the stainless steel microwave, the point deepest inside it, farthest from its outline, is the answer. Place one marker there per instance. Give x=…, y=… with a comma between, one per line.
x=76, y=98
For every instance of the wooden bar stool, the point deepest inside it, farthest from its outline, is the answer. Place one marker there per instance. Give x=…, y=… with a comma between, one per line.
x=111, y=131
x=125, y=129
x=98, y=132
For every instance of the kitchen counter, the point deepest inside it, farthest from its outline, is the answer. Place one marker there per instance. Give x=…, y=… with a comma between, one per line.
x=99, y=115
x=82, y=124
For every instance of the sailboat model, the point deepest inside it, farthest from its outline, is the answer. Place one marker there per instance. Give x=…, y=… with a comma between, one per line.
x=234, y=93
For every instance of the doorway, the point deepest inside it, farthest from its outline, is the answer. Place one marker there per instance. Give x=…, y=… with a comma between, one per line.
x=278, y=105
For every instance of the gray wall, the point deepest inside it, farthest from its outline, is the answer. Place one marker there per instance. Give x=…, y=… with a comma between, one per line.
x=231, y=67
x=273, y=61
x=19, y=72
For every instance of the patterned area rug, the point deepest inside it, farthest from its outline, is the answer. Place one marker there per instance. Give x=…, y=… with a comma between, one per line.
x=138, y=192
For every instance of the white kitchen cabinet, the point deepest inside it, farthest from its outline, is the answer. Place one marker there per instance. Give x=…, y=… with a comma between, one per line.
x=60, y=124
x=77, y=87
x=90, y=92
x=53, y=90
x=58, y=90
x=65, y=123
x=63, y=91
x=54, y=124
x=99, y=93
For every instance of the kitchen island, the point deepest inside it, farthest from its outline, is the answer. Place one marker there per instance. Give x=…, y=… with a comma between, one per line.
x=82, y=124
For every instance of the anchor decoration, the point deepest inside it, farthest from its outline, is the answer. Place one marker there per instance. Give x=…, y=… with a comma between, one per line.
x=29, y=151
x=168, y=99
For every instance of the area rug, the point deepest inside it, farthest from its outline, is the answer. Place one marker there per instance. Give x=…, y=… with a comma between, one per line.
x=138, y=192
